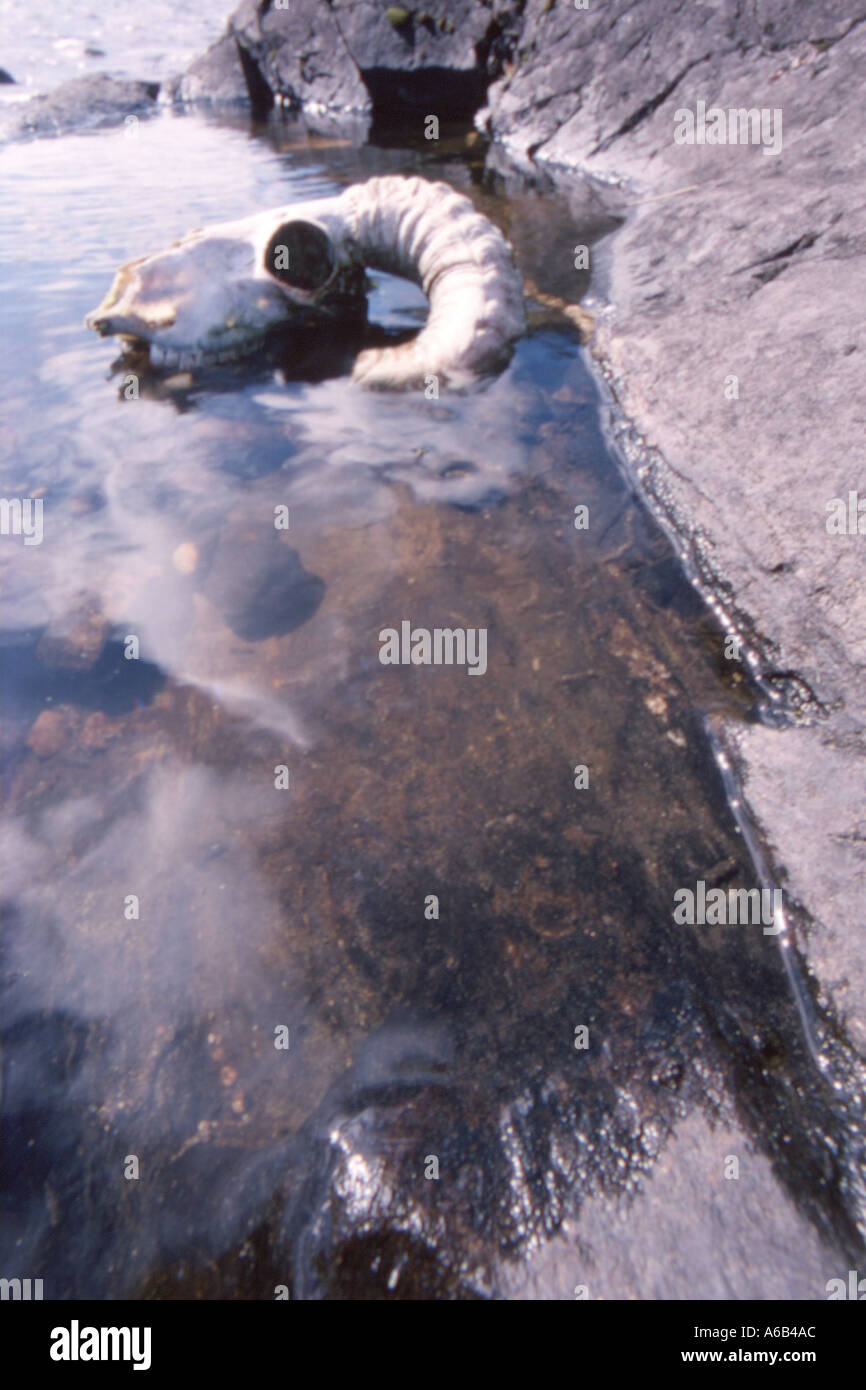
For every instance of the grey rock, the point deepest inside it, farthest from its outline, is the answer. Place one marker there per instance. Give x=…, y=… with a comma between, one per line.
x=689, y=1234
x=295, y=56
x=805, y=788
x=86, y=103
x=583, y=78
x=734, y=264
x=257, y=583
x=586, y=76
x=217, y=76
x=6, y=77
x=351, y=56
x=752, y=267
x=303, y=58
x=435, y=35
x=435, y=61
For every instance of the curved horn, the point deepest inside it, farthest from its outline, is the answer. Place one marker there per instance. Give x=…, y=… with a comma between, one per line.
x=428, y=233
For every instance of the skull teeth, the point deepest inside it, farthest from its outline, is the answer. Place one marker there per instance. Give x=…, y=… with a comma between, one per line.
x=183, y=359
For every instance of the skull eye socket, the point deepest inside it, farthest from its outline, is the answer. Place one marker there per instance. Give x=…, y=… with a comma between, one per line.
x=299, y=255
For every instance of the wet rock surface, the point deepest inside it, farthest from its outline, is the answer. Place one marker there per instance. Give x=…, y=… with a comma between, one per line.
x=84, y=103
x=732, y=341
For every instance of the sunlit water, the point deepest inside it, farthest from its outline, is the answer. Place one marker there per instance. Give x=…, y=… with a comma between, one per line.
x=43, y=45
x=171, y=910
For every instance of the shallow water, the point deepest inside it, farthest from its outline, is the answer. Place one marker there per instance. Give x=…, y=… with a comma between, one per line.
x=410, y=1037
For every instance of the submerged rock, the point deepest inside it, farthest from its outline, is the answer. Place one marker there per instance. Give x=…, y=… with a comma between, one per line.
x=50, y=732
x=75, y=640
x=258, y=584
x=85, y=103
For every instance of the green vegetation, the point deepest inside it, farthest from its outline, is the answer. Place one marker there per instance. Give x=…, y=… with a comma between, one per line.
x=397, y=17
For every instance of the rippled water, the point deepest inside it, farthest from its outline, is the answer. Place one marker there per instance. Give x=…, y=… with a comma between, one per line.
x=43, y=45
x=410, y=1036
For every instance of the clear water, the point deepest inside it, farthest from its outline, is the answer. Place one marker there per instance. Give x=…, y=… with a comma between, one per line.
x=153, y=1036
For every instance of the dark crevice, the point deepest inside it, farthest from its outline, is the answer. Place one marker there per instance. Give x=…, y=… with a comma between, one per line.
x=802, y=243
x=463, y=91
x=113, y=684
x=497, y=48
x=392, y=89
x=261, y=96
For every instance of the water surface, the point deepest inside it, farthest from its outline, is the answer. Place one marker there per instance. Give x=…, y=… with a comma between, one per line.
x=259, y=908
